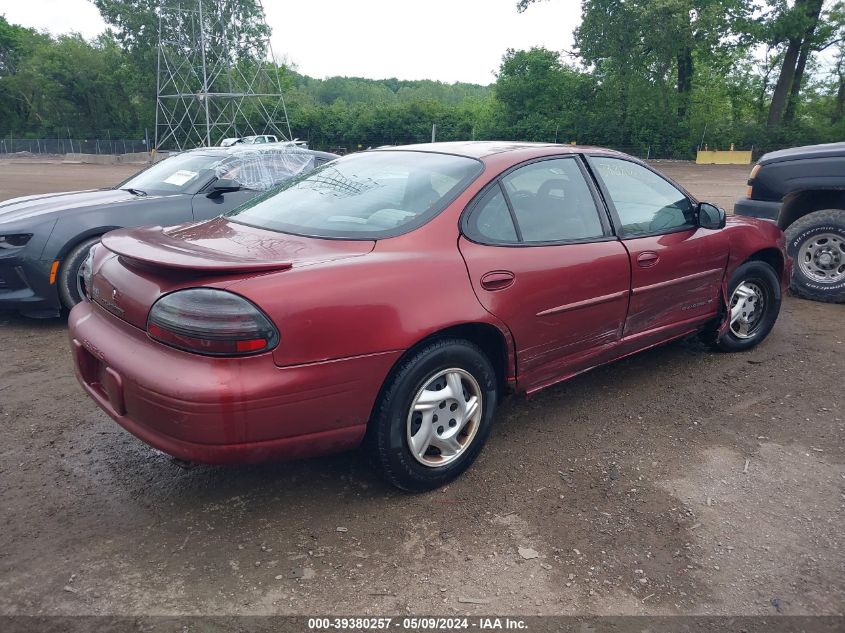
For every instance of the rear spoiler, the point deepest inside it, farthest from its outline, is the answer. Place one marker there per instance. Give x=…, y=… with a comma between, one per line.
x=153, y=248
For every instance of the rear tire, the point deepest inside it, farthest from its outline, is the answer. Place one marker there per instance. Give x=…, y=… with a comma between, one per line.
x=753, y=307
x=434, y=415
x=816, y=243
x=68, y=281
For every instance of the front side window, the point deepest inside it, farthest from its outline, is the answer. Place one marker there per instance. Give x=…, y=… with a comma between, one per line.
x=363, y=196
x=645, y=203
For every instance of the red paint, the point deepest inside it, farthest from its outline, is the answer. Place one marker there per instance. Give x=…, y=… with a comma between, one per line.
x=687, y=272
x=551, y=308
x=346, y=311
x=497, y=280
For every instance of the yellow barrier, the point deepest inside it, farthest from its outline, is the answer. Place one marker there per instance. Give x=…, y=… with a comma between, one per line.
x=727, y=157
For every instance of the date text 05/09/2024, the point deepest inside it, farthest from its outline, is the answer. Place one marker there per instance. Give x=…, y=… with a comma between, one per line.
x=416, y=623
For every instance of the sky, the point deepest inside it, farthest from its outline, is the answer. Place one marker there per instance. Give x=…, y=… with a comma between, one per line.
x=446, y=40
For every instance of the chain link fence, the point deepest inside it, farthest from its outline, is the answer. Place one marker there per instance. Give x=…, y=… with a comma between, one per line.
x=655, y=152
x=345, y=146
x=61, y=146
x=35, y=146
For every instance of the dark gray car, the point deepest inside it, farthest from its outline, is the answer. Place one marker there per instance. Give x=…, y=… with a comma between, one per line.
x=45, y=239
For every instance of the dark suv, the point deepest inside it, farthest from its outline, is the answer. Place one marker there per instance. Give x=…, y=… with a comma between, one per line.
x=803, y=190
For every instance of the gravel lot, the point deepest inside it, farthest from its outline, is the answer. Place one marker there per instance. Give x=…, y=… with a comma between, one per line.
x=676, y=481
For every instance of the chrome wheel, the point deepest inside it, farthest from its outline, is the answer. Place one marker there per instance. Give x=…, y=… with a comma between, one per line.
x=444, y=417
x=748, y=304
x=822, y=258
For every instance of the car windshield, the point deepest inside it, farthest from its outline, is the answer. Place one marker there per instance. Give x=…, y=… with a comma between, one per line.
x=178, y=174
x=364, y=196
x=256, y=168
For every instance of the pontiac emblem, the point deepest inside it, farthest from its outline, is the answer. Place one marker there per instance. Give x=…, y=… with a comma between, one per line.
x=109, y=304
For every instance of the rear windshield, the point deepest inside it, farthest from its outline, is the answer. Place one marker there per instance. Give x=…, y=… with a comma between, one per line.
x=364, y=196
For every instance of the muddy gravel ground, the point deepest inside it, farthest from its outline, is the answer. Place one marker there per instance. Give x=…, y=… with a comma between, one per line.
x=679, y=481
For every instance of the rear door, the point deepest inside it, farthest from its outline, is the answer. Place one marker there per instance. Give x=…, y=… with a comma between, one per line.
x=676, y=267
x=542, y=258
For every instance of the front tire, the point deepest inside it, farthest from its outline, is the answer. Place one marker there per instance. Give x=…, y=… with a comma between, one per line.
x=69, y=283
x=816, y=243
x=434, y=415
x=753, y=306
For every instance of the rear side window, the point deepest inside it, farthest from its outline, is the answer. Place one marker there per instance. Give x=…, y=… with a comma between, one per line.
x=492, y=220
x=552, y=202
x=547, y=201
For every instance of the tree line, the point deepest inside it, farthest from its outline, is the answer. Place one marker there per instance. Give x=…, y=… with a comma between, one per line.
x=656, y=76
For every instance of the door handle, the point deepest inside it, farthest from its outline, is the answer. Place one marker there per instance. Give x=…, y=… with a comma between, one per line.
x=646, y=259
x=497, y=280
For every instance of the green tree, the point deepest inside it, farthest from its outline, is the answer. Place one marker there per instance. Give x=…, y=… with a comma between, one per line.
x=67, y=83
x=541, y=95
x=660, y=39
x=797, y=25
x=801, y=29
x=241, y=22
x=234, y=26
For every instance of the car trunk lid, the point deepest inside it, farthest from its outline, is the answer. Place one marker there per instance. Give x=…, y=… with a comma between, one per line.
x=137, y=266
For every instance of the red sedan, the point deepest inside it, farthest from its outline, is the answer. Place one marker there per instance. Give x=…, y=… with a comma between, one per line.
x=392, y=297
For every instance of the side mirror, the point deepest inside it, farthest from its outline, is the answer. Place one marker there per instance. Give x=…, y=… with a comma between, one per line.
x=710, y=216
x=224, y=185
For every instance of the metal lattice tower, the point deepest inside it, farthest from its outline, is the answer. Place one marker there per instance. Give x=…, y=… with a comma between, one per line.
x=214, y=79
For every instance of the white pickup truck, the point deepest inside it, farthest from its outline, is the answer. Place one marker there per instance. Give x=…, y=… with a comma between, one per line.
x=249, y=140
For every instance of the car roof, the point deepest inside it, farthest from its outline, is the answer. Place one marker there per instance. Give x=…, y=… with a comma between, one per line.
x=483, y=149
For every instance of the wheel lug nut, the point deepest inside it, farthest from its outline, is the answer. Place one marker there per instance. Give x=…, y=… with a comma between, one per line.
x=440, y=430
x=452, y=422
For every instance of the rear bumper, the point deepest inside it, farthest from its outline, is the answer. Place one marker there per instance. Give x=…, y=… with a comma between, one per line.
x=763, y=209
x=218, y=410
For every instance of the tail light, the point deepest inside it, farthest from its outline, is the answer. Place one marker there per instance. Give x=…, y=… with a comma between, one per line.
x=212, y=322
x=750, y=191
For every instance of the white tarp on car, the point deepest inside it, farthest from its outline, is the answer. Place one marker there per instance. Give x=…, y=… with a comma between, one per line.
x=262, y=168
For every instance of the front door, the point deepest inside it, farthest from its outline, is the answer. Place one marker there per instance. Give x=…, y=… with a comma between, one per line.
x=676, y=267
x=541, y=257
